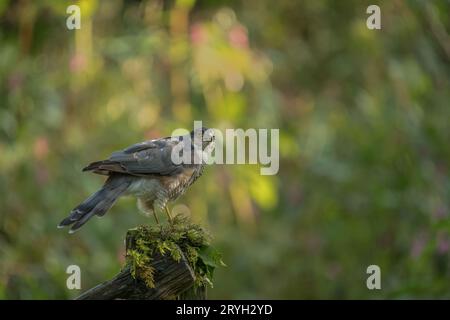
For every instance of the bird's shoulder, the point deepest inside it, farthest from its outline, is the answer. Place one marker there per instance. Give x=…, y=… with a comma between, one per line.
x=150, y=144
x=143, y=158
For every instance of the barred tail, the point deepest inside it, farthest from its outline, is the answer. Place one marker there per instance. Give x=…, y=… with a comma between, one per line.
x=98, y=203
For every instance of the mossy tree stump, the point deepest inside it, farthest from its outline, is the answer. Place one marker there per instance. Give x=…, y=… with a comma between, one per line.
x=162, y=262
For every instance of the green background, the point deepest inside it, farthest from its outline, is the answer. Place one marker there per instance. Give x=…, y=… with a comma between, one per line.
x=364, y=139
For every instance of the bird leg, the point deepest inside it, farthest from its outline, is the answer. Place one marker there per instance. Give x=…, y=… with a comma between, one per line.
x=166, y=208
x=156, y=216
x=147, y=208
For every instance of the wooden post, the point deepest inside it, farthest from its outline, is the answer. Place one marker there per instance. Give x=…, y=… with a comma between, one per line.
x=172, y=280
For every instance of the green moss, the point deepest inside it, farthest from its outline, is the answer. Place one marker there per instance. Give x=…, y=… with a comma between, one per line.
x=173, y=240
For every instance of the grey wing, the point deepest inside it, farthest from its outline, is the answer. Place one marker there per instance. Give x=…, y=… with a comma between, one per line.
x=145, y=158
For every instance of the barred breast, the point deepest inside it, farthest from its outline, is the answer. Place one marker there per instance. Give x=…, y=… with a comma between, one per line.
x=176, y=185
x=154, y=192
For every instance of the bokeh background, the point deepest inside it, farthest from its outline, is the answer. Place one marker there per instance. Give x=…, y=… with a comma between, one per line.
x=364, y=139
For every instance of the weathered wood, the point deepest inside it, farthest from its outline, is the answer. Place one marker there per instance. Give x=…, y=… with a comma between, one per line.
x=193, y=293
x=173, y=280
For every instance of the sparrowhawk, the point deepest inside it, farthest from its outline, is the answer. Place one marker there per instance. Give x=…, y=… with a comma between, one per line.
x=144, y=170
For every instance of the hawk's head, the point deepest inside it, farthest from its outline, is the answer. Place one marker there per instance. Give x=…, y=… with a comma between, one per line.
x=203, y=137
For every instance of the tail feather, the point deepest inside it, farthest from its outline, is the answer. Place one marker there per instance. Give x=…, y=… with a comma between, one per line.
x=97, y=204
x=92, y=166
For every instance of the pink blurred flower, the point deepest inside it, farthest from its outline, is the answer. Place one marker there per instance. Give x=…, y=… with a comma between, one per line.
x=40, y=148
x=443, y=243
x=418, y=245
x=198, y=34
x=238, y=37
x=77, y=62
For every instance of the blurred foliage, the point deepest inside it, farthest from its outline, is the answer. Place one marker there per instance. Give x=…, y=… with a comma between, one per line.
x=364, y=127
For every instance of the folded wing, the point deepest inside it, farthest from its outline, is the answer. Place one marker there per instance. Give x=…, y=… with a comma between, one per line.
x=146, y=158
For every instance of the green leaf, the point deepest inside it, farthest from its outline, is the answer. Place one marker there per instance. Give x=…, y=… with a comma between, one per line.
x=211, y=257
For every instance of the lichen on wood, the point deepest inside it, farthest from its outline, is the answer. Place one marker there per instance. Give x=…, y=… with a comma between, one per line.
x=181, y=238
